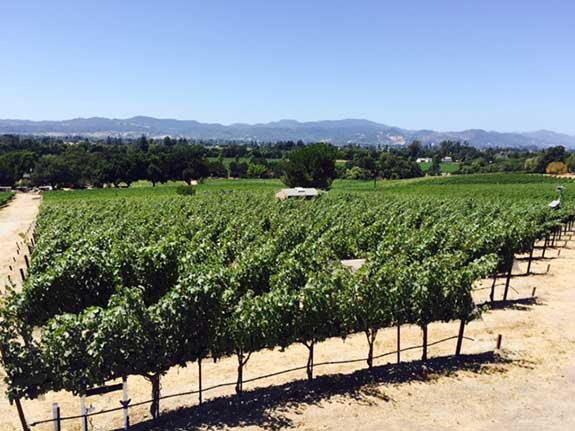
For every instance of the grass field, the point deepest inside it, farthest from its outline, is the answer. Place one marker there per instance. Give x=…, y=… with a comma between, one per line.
x=446, y=167
x=5, y=197
x=483, y=186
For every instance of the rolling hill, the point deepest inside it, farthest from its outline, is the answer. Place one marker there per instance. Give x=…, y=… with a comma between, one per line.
x=338, y=132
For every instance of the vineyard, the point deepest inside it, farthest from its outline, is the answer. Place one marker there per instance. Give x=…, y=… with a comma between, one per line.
x=137, y=284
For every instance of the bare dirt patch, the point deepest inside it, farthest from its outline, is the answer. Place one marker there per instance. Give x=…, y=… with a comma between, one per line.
x=16, y=218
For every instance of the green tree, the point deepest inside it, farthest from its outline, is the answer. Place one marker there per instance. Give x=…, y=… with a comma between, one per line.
x=257, y=171
x=571, y=163
x=238, y=169
x=52, y=170
x=435, y=169
x=311, y=166
x=414, y=149
x=357, y=173
x=155, y=174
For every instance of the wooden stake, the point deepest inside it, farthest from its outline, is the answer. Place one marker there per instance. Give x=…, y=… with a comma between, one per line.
x=398, y=343
x=499, y=339
x=424, y=354
x=533, y=292
x=84, y=413
x=460, y=337
x=56, y=417
x=125, y=403
x=200, y=380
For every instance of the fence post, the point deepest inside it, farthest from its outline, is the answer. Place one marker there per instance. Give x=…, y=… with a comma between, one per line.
x=56, y=416
x=398, y=343
x=84, y=413
x=125, y=403
x=200, y=380
x=424, y=355
x=460, y=337
x=499, y=339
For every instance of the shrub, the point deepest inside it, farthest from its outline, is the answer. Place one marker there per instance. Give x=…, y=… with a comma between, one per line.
x=357, y=173
x=556, y=168
x=571, y=162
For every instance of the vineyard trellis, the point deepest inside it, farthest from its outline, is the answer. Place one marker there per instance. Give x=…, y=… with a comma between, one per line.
x=125, y=406
x=132, y=287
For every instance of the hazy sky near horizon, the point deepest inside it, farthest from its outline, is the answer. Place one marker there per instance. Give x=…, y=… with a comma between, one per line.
x=504, y=65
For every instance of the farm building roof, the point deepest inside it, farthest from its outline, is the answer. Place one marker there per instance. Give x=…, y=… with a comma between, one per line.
x=297, y=192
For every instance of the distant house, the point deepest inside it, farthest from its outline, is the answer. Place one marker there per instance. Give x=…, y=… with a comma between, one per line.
x=297, y=192
x=424, y=160
x=447, y=159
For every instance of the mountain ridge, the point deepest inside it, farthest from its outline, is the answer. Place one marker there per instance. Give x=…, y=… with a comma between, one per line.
x=339, y=132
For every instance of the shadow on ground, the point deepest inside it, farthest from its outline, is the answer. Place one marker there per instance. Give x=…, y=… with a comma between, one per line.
x=268, y=407
x=521, y=304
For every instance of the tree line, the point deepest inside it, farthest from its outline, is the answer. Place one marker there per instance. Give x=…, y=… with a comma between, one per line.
x=115, y=162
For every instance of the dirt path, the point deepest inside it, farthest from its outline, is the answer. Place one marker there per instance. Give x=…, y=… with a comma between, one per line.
x=528, y=385
x=15, y=221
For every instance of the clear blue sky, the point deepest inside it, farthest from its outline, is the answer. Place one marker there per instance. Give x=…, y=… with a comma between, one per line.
x=442, y=64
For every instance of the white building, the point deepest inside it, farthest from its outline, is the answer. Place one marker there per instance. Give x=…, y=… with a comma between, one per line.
x=297, y=192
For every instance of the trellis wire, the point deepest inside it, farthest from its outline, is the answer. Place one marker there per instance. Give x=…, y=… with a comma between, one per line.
x=253, y=379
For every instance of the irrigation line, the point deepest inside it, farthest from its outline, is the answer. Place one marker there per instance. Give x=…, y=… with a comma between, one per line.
x=265, y=376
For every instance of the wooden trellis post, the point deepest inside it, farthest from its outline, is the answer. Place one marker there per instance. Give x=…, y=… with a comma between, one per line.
x=398, y=343
x=200, y=380
x=84, y=413
x=460, y=337
x=125, y=403
x=56, y=417
x=424, y=354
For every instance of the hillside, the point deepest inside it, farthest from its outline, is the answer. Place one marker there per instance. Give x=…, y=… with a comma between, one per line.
x=338, y=132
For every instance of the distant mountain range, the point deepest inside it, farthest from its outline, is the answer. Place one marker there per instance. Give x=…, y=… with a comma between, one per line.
x=338, y=132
